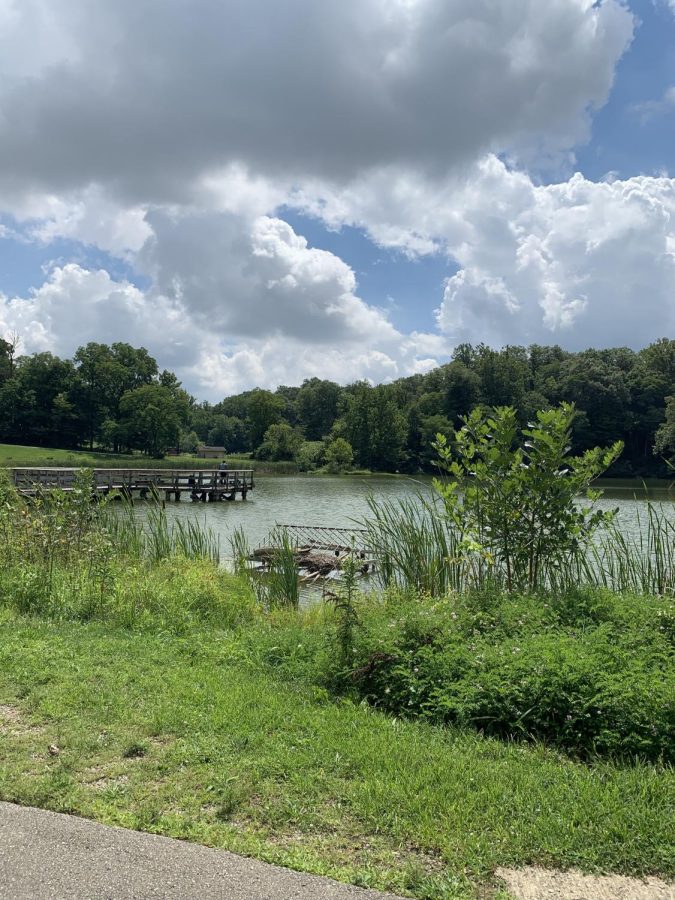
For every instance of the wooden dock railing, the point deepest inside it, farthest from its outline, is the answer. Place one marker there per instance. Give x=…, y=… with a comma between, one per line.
x=199, y=484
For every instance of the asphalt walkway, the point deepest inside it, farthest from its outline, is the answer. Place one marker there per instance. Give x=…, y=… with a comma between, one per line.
x=50, y=856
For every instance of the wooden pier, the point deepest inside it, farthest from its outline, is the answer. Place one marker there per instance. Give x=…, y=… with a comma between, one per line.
x=205, y=485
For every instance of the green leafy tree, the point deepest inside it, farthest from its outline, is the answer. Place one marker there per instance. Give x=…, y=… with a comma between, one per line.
x=388, y=432
x=229, y=432
x=188, y=442
x=599, y=388
x=288, y=396
x=105, y=375
x=514, y=494
x=35, y=405
x=112, y=434
x=430, y=427
x=317, y=405
x=356, y=424
x=263, y=409
x=309, y=455
x=65, y=424
x=338, y=455
x=665, y=436
x=152, y=417
x=281, y=442
x=461, y=390
x=7, y=356
x=375, y=427
x=15, y=399
x=505, y=375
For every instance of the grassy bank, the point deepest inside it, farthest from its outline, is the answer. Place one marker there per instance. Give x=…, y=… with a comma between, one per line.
x=407, y=740
x=16, y=455
x=193, y=736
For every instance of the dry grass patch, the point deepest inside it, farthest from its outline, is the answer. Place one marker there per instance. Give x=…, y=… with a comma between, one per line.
x=533, y=883
x=13, y=724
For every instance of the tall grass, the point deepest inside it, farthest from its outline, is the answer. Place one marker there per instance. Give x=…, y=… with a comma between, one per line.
x=153, y=537
x=636, y=563
x=241, y=551
x=418, y=549
x=415, y=545
x=284, y=585
x=279, y=584
x=63, y=555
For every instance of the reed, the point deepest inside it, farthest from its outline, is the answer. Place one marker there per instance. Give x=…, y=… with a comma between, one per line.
x=418, y=549
x=240, y=551
x=638, y=563
x=154, y=538
x=277, y=586
x=283, y=579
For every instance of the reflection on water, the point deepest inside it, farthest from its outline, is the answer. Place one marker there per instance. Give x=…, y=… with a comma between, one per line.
x=339, y=501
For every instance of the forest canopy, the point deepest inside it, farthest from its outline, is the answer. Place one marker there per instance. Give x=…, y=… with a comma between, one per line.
x=115, y=397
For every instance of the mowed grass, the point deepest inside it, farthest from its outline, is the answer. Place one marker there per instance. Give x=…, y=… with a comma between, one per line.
x=189, y=736
x=16, y=455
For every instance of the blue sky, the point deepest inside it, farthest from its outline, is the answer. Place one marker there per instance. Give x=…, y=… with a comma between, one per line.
x=408, y=288
x=333, y=195
x=622, y=140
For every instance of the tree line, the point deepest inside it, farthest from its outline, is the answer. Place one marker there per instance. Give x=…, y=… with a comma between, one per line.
x=114, y=397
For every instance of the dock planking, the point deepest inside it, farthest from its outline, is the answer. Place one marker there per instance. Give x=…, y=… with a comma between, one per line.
x=205, y=485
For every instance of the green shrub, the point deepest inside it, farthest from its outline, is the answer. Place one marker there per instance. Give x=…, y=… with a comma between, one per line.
x=592, y=674
x=518, y=504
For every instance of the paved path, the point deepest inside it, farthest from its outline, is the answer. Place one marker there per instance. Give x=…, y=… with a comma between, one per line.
x=56, y=857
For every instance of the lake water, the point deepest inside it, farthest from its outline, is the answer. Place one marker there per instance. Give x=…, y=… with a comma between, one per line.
x=337, y=501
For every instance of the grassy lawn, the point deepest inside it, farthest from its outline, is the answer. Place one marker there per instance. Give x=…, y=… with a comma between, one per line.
x=193, y=737
x=15, y=455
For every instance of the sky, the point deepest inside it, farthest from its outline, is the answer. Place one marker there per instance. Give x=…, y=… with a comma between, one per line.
x=264, y=192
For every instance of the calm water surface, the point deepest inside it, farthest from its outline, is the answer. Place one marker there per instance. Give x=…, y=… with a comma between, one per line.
x=338, y=501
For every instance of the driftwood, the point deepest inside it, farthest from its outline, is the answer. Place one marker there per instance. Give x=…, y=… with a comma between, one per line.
x=321, y=561
x=314, y=562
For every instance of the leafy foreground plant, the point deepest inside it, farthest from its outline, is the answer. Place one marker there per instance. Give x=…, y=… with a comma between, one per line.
x=588, y=671
x=513, y=499
x=189, y=737
x=518, y=514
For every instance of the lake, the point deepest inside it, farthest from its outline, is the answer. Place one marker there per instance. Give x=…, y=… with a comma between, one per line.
x=337, y=501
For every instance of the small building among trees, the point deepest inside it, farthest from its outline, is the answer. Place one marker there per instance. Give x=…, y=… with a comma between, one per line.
x=206, y=452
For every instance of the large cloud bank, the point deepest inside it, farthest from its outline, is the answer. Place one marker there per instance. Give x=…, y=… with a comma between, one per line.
x=173, y=135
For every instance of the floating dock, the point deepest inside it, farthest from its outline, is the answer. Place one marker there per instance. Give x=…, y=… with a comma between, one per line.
x=205, y=485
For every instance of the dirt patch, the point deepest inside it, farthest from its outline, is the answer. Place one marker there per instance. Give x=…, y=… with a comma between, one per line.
x=11, y=722
x=8, y=714
x=105, y=783
x=533, y=883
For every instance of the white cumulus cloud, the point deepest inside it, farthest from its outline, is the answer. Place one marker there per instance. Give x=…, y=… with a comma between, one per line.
x=151, y=98
x=174, y=134
x=580, y=262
